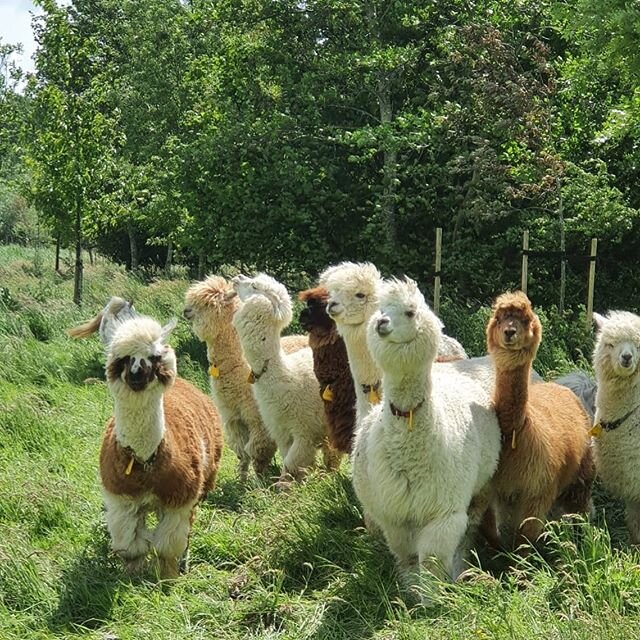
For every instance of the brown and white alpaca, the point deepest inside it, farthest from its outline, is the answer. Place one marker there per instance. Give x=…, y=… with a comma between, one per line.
x=331, y=366
x=210, y=305
x=161, y=449
x=545, y=457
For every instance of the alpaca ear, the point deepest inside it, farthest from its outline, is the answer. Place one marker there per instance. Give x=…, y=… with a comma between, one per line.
x=282, y=308
x=229, y=295
x=167, y=329
x=599, y=321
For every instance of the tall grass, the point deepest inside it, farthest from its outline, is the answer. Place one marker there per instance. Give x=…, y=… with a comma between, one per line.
x=263, y=564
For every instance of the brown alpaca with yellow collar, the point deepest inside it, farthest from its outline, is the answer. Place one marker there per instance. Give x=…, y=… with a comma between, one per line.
x=545, y=457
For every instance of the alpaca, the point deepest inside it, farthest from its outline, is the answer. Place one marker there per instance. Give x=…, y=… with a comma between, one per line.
x=584, y=387
x=546, y=457
x=616, y=445
x=422, y=460
x=116, y=311
x=284, y=385
x=161, y=449
x=331, y=366
x=210, y=306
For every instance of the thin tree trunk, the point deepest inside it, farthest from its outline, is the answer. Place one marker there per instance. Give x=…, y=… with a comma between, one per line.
x=133, y=247
x=90, y=250
x=563, y=261
x=77, y=282
x=201, y=264
x=58, y=243
x=168, y=262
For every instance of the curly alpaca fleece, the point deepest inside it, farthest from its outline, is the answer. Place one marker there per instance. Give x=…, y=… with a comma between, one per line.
x=161, y=449
x=331, y=366
x=617, y=447
x=284, y=385
x=425, y=455
x=210, y=306
x=545, y=452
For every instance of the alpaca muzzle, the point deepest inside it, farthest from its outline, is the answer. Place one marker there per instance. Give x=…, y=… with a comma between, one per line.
x=188, y=313
x=383, y=326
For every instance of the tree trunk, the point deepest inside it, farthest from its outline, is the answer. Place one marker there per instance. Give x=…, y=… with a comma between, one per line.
x=77, y=281
x=168, y=262
x=133, y=247
x=58, y=243
x=201, y=264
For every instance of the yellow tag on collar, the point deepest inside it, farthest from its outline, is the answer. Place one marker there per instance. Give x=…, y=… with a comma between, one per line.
x=373, y=396
x=214, y=372
x=127, y=471
x=513, y=439
x=251, y=377
x=327, y=394
x=410, y=425
x=596, y=430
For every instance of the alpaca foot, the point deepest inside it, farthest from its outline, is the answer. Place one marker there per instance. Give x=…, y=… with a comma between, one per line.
x=183, y=565
x=168, y=568
x=284, y=482
x=372, y=527
x=133, y=566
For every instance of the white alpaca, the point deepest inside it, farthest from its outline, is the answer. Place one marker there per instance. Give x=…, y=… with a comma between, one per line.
x=160, y=451
x=425, y=455
x=116, y=311
x=284, y=385
x=210, y=306
x=617, y=443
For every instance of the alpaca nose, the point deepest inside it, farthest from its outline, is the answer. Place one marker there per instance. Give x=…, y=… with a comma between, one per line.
x=187, y=313
x=331, y=307
x=382, y=326
x=626, y=359
x=509, y=333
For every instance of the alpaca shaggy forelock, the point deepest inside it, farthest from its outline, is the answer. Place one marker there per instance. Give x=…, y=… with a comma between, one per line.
x=209, y=306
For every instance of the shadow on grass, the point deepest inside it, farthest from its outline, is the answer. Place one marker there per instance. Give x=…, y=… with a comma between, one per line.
x=88, y=587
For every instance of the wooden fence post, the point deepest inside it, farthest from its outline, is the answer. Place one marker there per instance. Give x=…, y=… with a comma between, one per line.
x=592, y=280
x=525, y=261
x=436, y=285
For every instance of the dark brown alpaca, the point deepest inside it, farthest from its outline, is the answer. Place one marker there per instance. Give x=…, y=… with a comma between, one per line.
x=331, y=366
x=545, y=457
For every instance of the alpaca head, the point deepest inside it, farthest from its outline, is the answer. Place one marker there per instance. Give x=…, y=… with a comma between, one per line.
x=269, y=288
x=209, y=306
x=353, y=292
x=513, y=328
x=404, y=333
x=617, y=350
x=139, y=358
x=314, y=317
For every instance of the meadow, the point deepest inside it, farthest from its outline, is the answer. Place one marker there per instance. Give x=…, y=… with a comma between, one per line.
x=269, y=565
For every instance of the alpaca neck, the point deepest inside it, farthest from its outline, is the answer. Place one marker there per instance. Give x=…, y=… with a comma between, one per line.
x=616, y=396
x=139, y=421
x=511, y=394
x=224, y=350
x=363, y=368
x=406, y=390
x=268, y=351
x=322, y=338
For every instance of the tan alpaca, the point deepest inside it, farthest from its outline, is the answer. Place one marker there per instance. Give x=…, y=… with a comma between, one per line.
x=545, y=430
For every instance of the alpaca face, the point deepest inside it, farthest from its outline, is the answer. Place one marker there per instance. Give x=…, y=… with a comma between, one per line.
x=314, y=317
x=513, y=326
x=353, y=294
x=617, y=351
x=270, y=289
x=209, y=306
x=139, y=358
x=404, y=331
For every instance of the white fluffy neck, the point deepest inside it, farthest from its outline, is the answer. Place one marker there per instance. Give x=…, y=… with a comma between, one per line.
x=407, y=390
x=258, y=354
x=139, y=421
x=363, y=368
x=616, y=396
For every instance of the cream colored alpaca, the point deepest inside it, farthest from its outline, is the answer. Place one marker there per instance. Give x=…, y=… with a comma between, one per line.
x=617, y=443
x=210, y=306
x=284, y=385
x=424, y=456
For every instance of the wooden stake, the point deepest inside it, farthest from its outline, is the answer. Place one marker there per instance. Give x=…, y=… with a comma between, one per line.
x=592, y=280
x=525, y=261
x=436, y=285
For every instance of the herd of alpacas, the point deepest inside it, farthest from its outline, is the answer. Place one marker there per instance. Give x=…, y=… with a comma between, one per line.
x=443, y=448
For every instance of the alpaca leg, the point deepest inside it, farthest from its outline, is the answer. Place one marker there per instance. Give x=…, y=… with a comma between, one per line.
x=236, y=436
x=402, y=545
x=437, y=544
x=126, y=525
x=576, y=498
x=171, y=538
x=260, y=447
x=331, y=456
x=532, y=515
x=300, y=457
x=632, y=518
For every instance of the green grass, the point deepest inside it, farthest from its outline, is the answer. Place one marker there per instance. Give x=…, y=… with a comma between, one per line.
x=263, y=565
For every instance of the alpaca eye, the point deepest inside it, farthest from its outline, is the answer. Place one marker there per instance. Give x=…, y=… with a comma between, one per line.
x=409, y=314
x=360, y=295
x=608, y=345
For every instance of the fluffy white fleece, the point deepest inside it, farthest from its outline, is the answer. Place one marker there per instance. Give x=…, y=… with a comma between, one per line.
x=285, y=389
x=617, y=451
x=416, y=477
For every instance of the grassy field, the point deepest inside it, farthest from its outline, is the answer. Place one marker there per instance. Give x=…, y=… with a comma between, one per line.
x=263, y=565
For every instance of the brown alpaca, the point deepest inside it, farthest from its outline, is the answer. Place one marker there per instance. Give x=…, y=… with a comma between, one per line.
x=331, y=366
x=161, y=449
x=545, y=456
